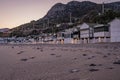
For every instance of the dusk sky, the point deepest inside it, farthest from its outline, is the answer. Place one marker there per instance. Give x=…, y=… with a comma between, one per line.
x=16, y=12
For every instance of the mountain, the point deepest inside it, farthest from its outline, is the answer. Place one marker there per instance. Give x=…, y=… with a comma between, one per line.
x=85, y=11
x=61, y=12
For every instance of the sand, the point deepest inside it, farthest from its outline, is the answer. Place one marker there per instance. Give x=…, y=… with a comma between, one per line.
x=60, y=62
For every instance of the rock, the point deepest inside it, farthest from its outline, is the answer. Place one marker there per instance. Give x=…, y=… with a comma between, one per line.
x=92, y=65
x=92, y=56
x=118, y=57
x=32, y=57
x=41, y=50
x=75, y=58
x=99, y=64
x=109, y=54
x=52, y=54
x=20, y=52
x=89, y=58
x=38, y=48
x=117, y=62
x=84, y=54
x=24, y=59
x=93, y=70
x=110, y=68
x=74, y=70
x=104, y=56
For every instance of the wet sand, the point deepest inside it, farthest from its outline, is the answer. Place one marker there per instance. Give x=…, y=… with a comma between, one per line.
x=60, y=62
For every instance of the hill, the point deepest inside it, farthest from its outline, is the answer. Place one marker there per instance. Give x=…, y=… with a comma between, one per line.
x=85, y=11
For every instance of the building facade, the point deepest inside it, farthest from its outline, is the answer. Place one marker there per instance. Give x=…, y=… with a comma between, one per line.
x=101, y=33
x=115, y=30
x=86, y=33
x=91, y=33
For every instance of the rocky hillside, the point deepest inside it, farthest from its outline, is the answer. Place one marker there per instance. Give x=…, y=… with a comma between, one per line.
x=60, y=13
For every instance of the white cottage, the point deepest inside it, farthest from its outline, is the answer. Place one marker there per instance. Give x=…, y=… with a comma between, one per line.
x=68, y=38
x=101, y=33
x=60, y=38
x=71, y=36
x=86, y=33
x=115, y=30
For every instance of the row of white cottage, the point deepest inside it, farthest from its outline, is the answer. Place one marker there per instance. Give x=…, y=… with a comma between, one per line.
x=91, y=33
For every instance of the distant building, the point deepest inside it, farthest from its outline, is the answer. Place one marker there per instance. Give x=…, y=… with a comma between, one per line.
x=86, y=33
x=94, y=33
x=71, y=36
x=68, y=37
x=115, y=30
x=4, y=30
x=91, y=33
x=60, y=38
x=101, y=33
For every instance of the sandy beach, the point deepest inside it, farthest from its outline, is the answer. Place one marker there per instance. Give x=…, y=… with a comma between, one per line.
x=60, y=62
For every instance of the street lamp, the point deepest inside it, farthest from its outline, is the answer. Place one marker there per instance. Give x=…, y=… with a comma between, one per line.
x=103, y=5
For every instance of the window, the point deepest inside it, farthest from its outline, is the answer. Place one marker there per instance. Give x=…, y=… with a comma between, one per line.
x=101, y=29
x=67, y=35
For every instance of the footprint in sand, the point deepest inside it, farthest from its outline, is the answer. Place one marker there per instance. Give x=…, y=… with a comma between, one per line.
x=20, y=52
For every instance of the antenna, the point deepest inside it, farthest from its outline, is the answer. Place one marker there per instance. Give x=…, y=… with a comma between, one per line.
x=103, y=5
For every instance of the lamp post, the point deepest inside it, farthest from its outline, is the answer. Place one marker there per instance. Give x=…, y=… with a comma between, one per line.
x=103, y=5
x=103, y=8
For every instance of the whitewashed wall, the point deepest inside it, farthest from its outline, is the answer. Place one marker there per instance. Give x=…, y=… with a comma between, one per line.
x=102, y=34
x=84, y=33
x=68, y=40
x=115, y=30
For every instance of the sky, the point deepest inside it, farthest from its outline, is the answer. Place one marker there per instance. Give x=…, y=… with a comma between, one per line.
x=16, y=12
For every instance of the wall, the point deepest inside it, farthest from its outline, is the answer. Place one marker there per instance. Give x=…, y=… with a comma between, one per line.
x=102, y=34
x=84, y=33
x=115, y=30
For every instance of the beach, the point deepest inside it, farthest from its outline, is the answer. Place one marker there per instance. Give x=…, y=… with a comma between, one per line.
x=60, y=61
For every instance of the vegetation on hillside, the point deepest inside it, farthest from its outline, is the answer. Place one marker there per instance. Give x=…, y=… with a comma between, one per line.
x=60, y=14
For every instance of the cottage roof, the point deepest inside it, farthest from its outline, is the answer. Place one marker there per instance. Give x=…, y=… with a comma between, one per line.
x=101, y=25
x=92, y=24
x=116, y=19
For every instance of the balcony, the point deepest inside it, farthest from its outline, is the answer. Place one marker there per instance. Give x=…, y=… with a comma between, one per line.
x=102, y=34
